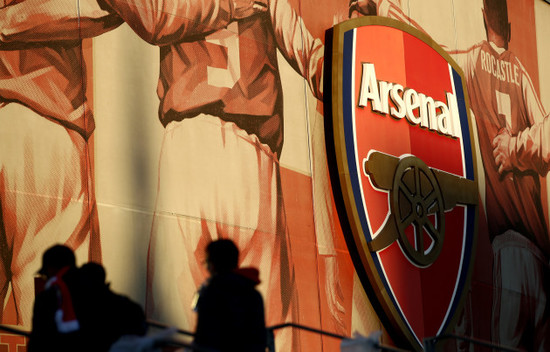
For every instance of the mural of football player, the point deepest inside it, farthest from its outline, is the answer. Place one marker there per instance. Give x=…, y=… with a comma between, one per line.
x=503, y=98
x=221, y=105
x=511, y=125
x=45, y=159
x=46, y=190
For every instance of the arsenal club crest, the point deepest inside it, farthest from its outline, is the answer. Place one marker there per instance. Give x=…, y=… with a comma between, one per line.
x=403, y=170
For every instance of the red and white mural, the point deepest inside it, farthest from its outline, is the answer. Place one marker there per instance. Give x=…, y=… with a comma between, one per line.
x=135, y=131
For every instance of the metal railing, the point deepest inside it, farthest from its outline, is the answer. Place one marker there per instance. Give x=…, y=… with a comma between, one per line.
x=270, y=332
x=160, y=325
x=430, y=343
x=271, y=336
x=14, y=331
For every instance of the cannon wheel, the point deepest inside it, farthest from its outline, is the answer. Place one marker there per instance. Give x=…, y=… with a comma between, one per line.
x=416, y=195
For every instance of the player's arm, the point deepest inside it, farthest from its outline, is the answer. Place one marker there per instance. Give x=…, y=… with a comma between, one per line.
x=327, y=237
x=530, y=148
x=54, y=20
x=306, y=55
x=163, y=22
x=302, y=51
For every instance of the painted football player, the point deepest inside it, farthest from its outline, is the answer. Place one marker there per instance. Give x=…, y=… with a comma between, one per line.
x=46, y=122
x=46, y=192
x=503, y=99
x=222, y=108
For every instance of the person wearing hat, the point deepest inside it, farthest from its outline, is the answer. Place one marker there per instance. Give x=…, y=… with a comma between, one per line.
x=54, y=322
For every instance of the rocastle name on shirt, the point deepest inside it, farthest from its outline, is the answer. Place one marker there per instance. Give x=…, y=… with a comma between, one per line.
x=500, y=69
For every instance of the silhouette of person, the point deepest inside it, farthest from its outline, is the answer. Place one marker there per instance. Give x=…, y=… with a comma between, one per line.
x=77, y=311
x=54, y=323
x=230, y=311
x=104, y=316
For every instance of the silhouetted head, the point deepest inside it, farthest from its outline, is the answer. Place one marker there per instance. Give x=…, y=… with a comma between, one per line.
x=495, y=15
x=222, y=256
x=56, y=258
x=94, y=274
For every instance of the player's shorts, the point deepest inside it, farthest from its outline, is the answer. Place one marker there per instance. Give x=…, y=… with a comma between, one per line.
x=215, y=181
x=520, y=303
x=45, y=178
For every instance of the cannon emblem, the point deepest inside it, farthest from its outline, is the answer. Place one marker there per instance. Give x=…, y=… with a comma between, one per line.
x=418, y=198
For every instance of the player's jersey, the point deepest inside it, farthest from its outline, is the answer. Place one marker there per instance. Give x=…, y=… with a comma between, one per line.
x=50, y=81
x=232, y=74
x=502, y=96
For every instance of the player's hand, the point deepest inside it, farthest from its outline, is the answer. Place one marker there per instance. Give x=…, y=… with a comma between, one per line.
x=362, y=8
x=246, y=8
x=502, y=144
x=333, y=290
